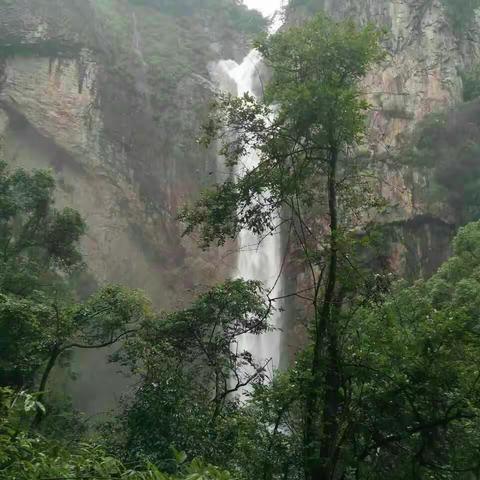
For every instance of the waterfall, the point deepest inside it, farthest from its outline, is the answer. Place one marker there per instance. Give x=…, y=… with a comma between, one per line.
x=141, y=73
x=259, y=258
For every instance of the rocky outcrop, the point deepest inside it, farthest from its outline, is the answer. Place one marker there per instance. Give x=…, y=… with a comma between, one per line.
x=110, y=94
x=420, y=75
x=104, y=94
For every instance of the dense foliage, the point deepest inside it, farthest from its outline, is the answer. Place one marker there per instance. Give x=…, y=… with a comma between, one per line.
x=41, y=319
x=237, y=14
x=29, y=456
x=305, y=128
x=181, y=357
x=39, y=247
x=192, y=369
x=446, y=145
x=380, y=392
x=414, y=361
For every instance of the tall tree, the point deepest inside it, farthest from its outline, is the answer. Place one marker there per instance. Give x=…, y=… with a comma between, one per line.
x=40, y=319
x=39, y=249
x=192, y=370
x=38, y=243
x=309, y=182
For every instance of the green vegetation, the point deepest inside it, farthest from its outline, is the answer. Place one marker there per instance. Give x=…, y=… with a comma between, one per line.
x=471, y=83
x=40, y=319
x=385, y=387
x=238, y=16
x=419, y=348
x=447, y=146
x=320, y=115
x=386, y=383
x=461, y=13
x=190, y=375
x=26, y=455
x=38, y=244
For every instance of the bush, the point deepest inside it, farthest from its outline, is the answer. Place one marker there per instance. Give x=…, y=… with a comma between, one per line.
x=28, y=456
x=471, y=83
x=461, y=13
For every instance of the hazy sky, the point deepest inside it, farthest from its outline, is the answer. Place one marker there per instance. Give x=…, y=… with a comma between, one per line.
x=267, y=7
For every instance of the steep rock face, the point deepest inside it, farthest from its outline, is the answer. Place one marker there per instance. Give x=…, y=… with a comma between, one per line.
x=109, y=94
x=51, y=124
x=44, y=25
x=421, y=75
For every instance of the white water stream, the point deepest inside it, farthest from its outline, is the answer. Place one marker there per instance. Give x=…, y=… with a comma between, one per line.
x=258, y=258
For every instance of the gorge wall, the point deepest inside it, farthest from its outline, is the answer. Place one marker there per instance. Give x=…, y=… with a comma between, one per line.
x=418, y=128
x=429, y=46
x=110, y=94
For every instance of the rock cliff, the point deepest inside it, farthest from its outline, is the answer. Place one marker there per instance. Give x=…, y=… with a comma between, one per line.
x=427, y=51
x=110, y=94
x=418, y=126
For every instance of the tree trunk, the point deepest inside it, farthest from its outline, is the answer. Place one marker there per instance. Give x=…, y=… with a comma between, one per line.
x=321, y=422
x=43, y=384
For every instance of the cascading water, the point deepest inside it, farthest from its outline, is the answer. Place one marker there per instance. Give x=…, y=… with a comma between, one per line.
x=141, y=73
x=258, y=258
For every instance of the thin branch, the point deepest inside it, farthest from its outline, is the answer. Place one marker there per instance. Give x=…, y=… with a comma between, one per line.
x=100, y=345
